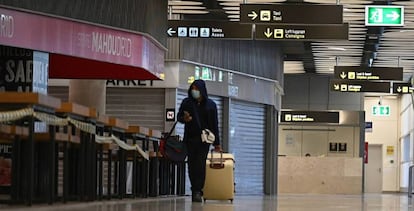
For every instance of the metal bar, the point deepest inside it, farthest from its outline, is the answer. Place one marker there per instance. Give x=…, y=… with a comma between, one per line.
x=66, y=172
x=31, y=158
x=134, y=169
x=100, y=173
x=109, y=173
x=94, y=156
x=81, y=168
x=51, y=169
x=16, y=173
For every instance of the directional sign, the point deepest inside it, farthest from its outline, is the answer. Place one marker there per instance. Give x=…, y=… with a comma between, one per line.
x=291, y=13
x=359, y=86
x=401, y=88
x=368, y=73
x=208, y=29
x=310, y=116
x=302, y=32
x=384, y=15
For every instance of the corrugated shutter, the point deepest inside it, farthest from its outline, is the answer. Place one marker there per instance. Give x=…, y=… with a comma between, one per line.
x=61, y=92
x=247, y=138
x=143, y=107
x=181, y=94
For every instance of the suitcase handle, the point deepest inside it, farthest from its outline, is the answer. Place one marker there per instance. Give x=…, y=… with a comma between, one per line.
x=216, y=165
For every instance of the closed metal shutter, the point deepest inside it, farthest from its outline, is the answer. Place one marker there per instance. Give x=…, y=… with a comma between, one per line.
x=143, y=107
x=61, y=92
x=247, y=138
x=181, y=94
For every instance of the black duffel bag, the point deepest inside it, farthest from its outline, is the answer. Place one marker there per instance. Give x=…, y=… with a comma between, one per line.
x=172, y=148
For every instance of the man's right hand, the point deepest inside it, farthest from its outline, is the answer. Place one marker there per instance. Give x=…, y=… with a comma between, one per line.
x=187, y=117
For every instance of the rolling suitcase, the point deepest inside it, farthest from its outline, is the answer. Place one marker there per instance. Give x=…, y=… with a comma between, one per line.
x=219, y=184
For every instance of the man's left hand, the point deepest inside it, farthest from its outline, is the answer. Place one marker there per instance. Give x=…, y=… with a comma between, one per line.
x=217, y=148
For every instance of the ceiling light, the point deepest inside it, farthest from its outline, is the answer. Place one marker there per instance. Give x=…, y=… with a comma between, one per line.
x=230, y=4
x=179, y=7
x=184, y=3
x=336, y=48
x=190, y=11
x=232, y=12
x=233, y=16
x=231, y=8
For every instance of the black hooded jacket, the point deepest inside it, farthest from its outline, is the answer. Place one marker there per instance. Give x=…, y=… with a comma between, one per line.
x=205, y=113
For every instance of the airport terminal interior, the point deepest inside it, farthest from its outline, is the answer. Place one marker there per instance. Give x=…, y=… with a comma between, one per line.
x=314, y=99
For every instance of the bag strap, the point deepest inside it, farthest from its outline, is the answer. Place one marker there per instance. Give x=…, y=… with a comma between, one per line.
x=172, y=129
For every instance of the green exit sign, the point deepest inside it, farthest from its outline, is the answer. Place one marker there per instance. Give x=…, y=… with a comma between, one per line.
x=389, y=15
x=381, y=110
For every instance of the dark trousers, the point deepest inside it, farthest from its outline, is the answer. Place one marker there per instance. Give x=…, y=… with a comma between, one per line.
x=197, y=155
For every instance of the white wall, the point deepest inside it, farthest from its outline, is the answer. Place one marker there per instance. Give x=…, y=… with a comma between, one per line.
x=296, y=140
x=385, y=131
x=406, y=119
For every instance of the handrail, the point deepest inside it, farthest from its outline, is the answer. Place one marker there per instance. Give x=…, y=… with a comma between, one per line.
x=410, y=181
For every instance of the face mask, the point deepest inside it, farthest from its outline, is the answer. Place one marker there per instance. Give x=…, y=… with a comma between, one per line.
x=195, y=94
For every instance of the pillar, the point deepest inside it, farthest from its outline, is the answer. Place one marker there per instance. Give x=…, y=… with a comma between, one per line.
x=91, y=93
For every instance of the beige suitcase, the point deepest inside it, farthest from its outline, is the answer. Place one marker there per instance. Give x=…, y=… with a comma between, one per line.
x=219, y=184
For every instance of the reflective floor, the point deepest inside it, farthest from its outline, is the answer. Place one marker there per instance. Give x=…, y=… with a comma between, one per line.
x=291, y=202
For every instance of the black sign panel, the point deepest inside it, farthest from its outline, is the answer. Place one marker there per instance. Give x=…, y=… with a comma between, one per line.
x=170, y=115
x=401, y=88
x=342, y=147
x=333, y=147
x=368, y=73
x=359, y=86
x=310, y=116
x=208, y=29
x=291, y=13
x=302, y=32
x=16, y=69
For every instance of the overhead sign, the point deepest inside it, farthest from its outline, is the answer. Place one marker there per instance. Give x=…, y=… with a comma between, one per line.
x=368, y=73
x=310, y=116
x=208, y=29
x=384, y=15
x=291, y=13
x=302, y=32
x=401, y=88
x=359, y=86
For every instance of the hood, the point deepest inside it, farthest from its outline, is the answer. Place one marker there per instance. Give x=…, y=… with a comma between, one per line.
x=201, y=85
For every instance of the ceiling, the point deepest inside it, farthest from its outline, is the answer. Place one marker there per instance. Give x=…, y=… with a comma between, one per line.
x=366, y=46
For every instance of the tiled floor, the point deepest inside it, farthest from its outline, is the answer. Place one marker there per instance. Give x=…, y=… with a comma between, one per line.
x=292, y=202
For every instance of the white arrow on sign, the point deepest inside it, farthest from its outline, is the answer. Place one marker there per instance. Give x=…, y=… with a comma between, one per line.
x=343, y=75
x=268, y=33
x=394, y=15
x=252, y=15
x=170, y=32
